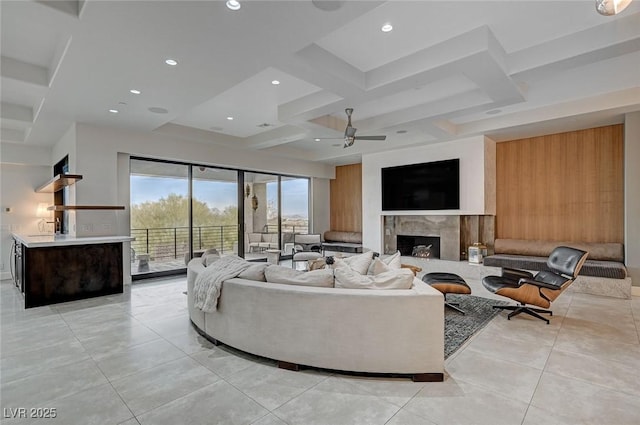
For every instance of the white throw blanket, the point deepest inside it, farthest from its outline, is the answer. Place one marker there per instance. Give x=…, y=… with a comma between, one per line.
x=208, y=284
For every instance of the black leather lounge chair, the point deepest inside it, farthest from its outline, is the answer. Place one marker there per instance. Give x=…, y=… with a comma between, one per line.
x=541, y=290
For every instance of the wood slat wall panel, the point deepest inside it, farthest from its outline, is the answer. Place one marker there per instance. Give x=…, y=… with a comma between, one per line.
x=563, y=187
x=346, y=198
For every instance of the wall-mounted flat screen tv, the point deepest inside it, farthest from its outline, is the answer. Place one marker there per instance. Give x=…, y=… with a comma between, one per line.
x=426, y=186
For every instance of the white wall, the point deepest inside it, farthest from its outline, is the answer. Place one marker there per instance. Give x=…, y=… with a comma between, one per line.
x=632, y=195
x=472, y=152
x=17, y=184
x=320, y=205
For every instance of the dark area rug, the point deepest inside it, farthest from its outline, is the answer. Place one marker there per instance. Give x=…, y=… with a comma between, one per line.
x=459, y=327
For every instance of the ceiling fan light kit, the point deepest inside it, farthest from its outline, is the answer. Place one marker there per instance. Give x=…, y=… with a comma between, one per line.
x=611, y=7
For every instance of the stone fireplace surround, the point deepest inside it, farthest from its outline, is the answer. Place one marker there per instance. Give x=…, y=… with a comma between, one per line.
x=456, y=232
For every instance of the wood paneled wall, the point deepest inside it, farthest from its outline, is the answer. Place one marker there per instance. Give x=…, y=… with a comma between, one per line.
x=562, y=187
x=346, y=198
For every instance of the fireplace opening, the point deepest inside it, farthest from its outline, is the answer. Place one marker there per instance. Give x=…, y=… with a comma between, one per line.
x=406, y=243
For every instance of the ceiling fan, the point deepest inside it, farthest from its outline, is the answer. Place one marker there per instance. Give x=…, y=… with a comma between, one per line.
x=350, y=132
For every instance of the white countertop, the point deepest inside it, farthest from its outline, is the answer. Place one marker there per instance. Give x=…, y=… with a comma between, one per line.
x=40, y=241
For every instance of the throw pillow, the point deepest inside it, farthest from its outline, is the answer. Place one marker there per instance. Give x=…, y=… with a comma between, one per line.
x=281, y=274
x=393, y=261
x=255, y=272
x=211, y=251
x=317, y=264
x=359, y=263
x=378, y=266
x=392, y=279
x=210, y=259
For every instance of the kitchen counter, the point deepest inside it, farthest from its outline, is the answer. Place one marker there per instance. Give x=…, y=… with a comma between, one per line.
x=42, y=241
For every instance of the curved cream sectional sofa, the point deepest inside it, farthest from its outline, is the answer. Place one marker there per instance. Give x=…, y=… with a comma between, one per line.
x=399, y=331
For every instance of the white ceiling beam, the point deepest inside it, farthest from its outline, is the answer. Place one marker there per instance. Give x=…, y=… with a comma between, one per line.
x=19, y=113
x=320, y=59
x=623, y=99
x=24, y=72
x=276, y=136
x=197, y=135
x=587, y=46
x=69, y=7
x=12, y=135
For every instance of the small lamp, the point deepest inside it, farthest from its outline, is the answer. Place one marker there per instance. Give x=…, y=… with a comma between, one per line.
x=254, y=202
x=247, y=190
x=43, y=214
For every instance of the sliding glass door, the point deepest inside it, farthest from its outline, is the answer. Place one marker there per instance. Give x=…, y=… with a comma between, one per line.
x=215, y=210
x=159, y=216
x=260, y=214
x=295, y=209
x=181, y=210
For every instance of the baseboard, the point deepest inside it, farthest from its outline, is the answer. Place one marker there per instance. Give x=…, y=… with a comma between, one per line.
x=635, y=291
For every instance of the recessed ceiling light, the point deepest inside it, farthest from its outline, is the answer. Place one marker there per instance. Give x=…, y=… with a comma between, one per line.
x=134, y=91
x=113, y=111
x=275, y=82
x=387, y=28
x=230, y=118
x=317, y=140
x=233, y=4
x=171, y=62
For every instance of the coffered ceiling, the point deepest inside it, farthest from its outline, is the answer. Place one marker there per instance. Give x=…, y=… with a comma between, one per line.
x=448, y=69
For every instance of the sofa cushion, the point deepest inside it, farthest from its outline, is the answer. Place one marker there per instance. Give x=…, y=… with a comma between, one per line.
x=391, y=279
x=286, y=275
x=255, y=272
x=359, y=263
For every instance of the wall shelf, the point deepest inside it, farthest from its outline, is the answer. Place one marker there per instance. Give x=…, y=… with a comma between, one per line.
x=59, y=182
x=84, y=207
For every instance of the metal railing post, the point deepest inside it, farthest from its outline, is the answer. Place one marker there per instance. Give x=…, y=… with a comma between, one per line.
x=175, y=243
x=199, y=237
x=148, y=242
x=221, y=239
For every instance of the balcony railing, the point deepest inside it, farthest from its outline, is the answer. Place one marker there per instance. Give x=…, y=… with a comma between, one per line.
x=166, y=243
x=170, y=243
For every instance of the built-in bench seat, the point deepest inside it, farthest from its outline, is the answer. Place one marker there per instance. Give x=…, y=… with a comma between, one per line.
x=340, y=241
x=609, y=269
x=604, y=272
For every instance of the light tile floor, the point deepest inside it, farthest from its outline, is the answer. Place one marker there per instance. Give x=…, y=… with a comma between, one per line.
x=135, y=359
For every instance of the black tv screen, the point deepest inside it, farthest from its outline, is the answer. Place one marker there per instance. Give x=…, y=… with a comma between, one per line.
x=426, y=186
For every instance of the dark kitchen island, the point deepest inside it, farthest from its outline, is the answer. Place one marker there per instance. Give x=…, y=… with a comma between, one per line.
x=53, y=269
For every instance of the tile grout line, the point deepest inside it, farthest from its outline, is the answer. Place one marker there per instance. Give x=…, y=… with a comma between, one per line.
x=546, y=362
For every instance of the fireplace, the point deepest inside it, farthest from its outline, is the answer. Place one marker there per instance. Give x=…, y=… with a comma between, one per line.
x=406, y=243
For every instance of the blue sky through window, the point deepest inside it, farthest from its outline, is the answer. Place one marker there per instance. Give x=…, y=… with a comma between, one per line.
x=219, y=194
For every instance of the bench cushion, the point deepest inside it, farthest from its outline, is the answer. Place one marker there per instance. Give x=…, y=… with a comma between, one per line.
x=609, y=269
x=597, y=251
x=337, y=236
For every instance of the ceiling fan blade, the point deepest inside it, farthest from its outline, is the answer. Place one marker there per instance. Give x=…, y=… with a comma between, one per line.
x=371, y=137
